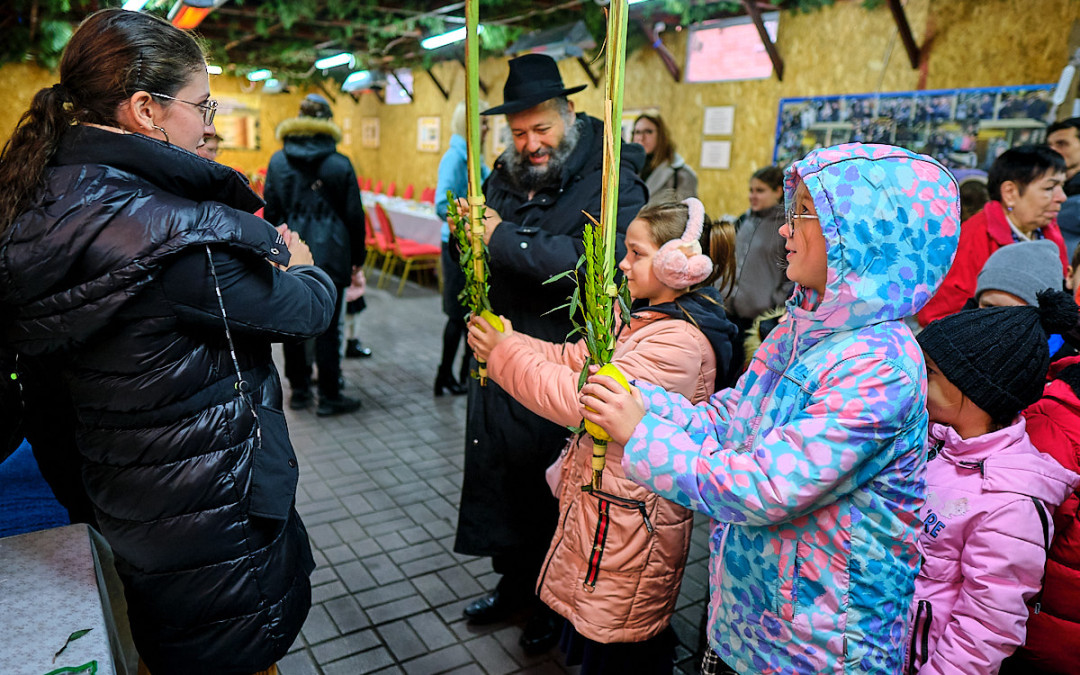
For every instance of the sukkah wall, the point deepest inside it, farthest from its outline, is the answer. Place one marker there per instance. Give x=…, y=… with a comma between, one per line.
x=842, y=49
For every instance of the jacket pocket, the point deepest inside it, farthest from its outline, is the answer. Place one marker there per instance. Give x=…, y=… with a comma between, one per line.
x=274, y=471
x=919, y=646
x=619, y=530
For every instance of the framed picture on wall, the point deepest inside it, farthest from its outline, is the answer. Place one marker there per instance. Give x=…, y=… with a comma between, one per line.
x=961, y=128
x=369, y=132
x=427, y=134
x=237, y=122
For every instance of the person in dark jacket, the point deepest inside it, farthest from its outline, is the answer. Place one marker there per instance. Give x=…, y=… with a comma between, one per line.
x=535, y=197
x=137, y=268
x=312, y=187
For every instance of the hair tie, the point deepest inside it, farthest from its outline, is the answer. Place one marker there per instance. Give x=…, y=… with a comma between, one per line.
x=680, y=263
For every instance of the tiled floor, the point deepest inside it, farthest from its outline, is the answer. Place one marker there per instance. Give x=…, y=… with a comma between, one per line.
x=379, y=492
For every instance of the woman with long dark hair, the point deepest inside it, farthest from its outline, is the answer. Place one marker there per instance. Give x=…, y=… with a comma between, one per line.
x=135, y=268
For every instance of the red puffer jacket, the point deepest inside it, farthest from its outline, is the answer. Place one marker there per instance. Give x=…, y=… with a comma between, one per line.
x=1053, y=423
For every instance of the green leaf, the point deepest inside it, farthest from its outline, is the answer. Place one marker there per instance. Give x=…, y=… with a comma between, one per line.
x=560, y=275
x=71, y=638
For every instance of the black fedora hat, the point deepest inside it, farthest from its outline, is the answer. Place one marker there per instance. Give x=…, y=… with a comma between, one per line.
x=533, y=79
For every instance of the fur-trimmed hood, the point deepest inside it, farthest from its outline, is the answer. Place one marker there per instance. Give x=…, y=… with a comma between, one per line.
x=308, y=140
x=308, y=126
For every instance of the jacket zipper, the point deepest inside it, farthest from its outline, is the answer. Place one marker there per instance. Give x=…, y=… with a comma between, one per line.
x=603, y=523
x=920, y=636
x=974, y=465
x=599, y=539
x=641, y=506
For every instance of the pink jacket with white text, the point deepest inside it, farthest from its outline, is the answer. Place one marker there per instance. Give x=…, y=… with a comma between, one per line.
x=986, y=524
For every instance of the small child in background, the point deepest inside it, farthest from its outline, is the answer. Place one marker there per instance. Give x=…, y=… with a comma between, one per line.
x=989, y=492
x=354, y=304
x=616, y=562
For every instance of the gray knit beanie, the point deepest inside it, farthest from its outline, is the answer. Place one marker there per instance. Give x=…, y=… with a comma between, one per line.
x=1024, y=269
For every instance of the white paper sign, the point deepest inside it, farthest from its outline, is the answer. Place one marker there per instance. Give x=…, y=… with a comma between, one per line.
x=719, y=120
x=716, y=155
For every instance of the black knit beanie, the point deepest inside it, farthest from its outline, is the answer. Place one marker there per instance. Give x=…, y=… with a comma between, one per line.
x=998, y=356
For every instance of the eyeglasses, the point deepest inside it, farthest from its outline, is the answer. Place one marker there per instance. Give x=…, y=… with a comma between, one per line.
x=209, y=107
x=791, y=217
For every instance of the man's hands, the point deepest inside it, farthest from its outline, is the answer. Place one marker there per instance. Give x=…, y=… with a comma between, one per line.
x=491, y=218
x=611, y=407
x=483, y=338
x=299, y=253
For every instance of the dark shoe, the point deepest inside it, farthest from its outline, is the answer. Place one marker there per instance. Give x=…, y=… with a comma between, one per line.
x=300, y=399
x=490, y=608
x=355, y=350
x=541, y=631
x=444, y=380
x=336, y=406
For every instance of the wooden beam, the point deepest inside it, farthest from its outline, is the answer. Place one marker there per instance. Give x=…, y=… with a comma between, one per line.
x=661, y=50
x=588, y=71
x=755, y=15
x=442, y=89
x=393, y=74
x=913, y=51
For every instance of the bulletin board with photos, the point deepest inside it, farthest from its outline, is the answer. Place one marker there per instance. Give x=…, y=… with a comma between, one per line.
x=961, y=128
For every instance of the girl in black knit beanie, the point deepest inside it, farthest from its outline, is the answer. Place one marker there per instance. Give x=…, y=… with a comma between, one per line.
x=989, y=492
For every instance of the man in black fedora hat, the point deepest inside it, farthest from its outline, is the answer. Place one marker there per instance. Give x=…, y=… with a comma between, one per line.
x=536, y=196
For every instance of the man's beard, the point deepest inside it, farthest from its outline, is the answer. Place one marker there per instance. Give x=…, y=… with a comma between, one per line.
x=533, y=178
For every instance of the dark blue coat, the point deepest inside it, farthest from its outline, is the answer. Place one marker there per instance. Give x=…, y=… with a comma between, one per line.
x=106, y=275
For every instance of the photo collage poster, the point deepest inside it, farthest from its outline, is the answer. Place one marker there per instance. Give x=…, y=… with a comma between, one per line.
x=961, y=128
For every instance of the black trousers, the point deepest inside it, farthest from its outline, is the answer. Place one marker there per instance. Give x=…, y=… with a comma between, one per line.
x=327, y=358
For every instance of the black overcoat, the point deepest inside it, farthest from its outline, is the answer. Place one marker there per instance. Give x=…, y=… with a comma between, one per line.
x=506, y=504
x=312, y=188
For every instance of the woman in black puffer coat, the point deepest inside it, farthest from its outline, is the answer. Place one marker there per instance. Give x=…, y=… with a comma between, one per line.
x=115, y=241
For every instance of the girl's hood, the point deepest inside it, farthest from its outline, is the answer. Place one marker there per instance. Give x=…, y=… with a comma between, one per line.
x=891, y=219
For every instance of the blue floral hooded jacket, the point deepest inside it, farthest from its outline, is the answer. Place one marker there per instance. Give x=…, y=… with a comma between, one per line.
x=812, y=466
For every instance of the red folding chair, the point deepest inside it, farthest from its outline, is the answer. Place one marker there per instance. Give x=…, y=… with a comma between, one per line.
x=409, y=190
x=391, y=189
x=367, y=185
x=414, y=254
x=378, y=187
x=375, y=242
x=428, y=195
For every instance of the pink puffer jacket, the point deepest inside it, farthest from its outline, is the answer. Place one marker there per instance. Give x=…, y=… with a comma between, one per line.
x=986, y=525
x=627, y=592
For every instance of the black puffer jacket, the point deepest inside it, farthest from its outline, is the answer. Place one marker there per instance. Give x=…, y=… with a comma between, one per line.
x=312, y=187
x=505, y=503
x=107, y=274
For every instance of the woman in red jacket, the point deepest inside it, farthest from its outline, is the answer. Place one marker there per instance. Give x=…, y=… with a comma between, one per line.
x=1026, y=193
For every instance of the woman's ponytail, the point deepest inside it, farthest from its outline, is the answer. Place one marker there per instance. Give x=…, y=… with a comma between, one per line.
x=29, y=150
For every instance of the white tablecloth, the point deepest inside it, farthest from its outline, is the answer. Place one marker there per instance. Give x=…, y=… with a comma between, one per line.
x=410, y=219
x=51, y=585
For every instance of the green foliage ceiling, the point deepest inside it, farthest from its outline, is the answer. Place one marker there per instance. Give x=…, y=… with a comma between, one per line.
x=288, y=35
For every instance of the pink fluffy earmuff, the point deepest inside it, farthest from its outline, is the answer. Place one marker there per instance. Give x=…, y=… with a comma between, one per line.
x=680, y=263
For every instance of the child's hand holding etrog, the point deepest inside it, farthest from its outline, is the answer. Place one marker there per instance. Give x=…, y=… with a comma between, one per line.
x=483, y=337
x=605, y=403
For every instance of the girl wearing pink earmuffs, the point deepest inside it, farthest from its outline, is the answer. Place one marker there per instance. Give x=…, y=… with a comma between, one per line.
x=615, y=564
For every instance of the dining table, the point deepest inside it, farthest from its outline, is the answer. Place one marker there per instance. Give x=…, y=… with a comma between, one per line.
x=409, y=218
x=61, y=606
